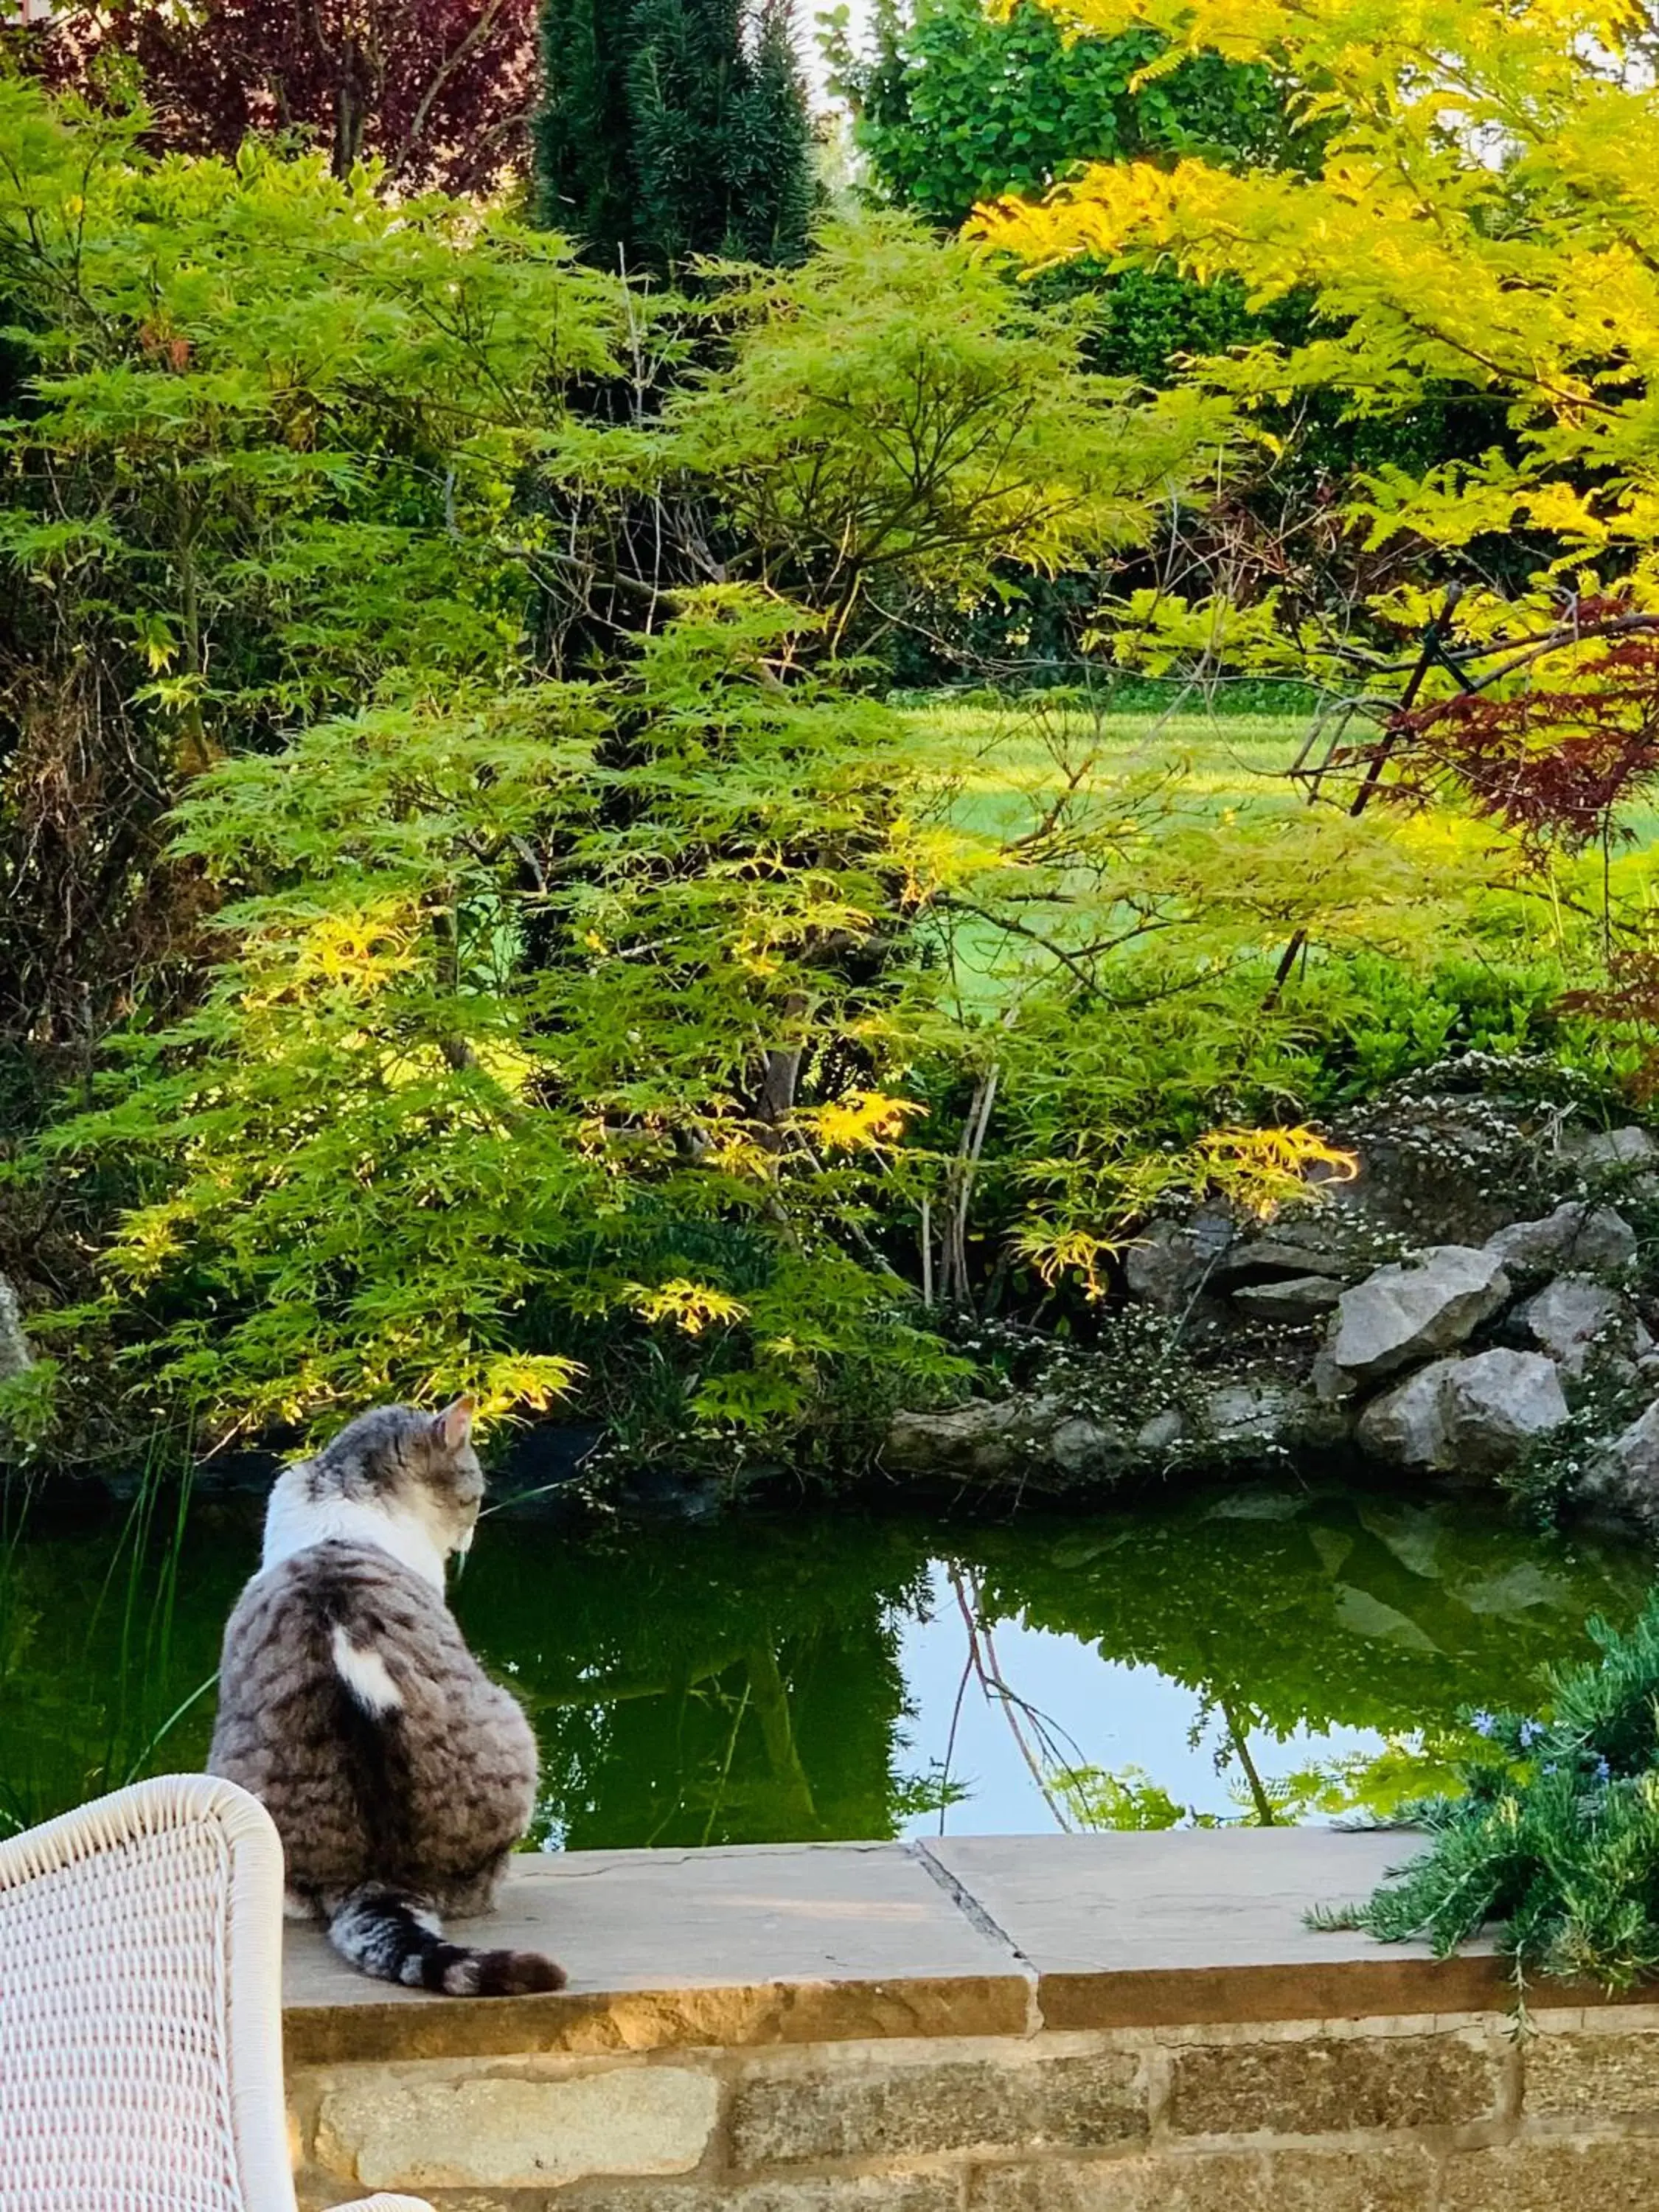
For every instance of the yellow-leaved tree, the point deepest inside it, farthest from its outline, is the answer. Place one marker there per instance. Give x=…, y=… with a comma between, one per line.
x=1487, y=214
x=1486, y=220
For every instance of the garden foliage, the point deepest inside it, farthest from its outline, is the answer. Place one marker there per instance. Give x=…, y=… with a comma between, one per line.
x=437, y=95
x=955, y=103
x=477, y=941
x=471, y=922
x=262, y=433
x=1480, y=218
x=1554, y=1836
x=1480, y=222
x=669, y=129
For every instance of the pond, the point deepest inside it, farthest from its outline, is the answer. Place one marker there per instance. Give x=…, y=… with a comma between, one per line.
x=1264, y=1653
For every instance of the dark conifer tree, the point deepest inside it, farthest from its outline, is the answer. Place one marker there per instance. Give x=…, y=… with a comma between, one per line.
x=671, y=128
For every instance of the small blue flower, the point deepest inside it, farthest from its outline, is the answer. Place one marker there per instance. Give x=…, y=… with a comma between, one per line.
x=1528, y=1734
x=1484, y=1723
x=1603, y=1771
x=1549, y=1768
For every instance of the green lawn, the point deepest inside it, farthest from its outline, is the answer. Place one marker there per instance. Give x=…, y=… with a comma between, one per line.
x=1169, y=778
x=1217, y=808
x=1024, y=748
x=1006, y=758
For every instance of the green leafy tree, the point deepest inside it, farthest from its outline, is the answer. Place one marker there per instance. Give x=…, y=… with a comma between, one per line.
x=957, y=103
x=649, y=1024
x=674, y=128
x=1477, y=222
x=476, y=1006
x=262, y=453
x=509, y=1041
x=894, y=417
x=1482, y=168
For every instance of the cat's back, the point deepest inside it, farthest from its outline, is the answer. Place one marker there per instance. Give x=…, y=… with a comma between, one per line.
x=290, y=1616
x=337, y=1638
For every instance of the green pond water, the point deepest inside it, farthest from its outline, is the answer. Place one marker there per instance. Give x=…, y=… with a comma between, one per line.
x=1285, y=1653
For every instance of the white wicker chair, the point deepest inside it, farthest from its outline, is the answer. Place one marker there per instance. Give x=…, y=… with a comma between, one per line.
x=141, y=2030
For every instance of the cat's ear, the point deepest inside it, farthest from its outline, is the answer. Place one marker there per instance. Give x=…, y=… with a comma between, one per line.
x=453, y=1426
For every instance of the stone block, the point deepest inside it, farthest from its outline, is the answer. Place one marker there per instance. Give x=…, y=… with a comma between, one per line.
x=1496, y=1403
x=1266, y=1416
x=321, y=2192
x=401, y=2131
x=915, y=2111
x=1307, y=1248
x=981, y=1438
x=871, y=2192
x=1407, y=1425
x=1574, y=1317
x=15, y=1357
x=1329, y=2084
x=1398, y=2179
x=1536, y=2174
x=1169, y=1263
x=1471, y=1416
x=1625, y=1479
x=1083, y=1447
x=1627, y=1148
x=1599, y=2076
x=1161, y=1433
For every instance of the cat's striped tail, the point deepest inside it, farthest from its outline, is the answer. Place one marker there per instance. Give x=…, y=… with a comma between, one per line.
x=398, y=1938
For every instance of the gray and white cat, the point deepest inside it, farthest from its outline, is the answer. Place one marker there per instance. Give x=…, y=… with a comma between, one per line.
x=400, y=1776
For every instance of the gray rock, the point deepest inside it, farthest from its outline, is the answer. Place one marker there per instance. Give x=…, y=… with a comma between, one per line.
x=1407, y=1425
x=15, y=1357
x=1242, y=1417
x=1573, y=1317
x=1625, y=1480
x=1495, y=1404
x=1329, y=1384
x=1082, y=1447
x=1166, y=1264
x=1045, y=1441
x=1605, y=1242
x=1630, y=1147
x=1008, y=1439
x=1576, y=1235
x=979, y=1439
x=1319, y=1244
x=1294, y=1297
x=1425, y=1305
x=1161, y=1434
x=1469, y=1416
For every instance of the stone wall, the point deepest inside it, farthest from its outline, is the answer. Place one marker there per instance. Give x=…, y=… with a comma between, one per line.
x=1442, y=2112
x=1125, y=2023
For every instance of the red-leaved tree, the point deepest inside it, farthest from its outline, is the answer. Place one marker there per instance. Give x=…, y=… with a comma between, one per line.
x=1556, y=761
x=440, y=90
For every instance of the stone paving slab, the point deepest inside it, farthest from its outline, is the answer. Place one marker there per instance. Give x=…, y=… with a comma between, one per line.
x=792, y=1942
x=985, y=1936
x=1193, y=1926
x=1175, y=1897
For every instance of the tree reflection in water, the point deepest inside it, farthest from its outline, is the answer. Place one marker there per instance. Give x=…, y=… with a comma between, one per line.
x=746, y=1681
